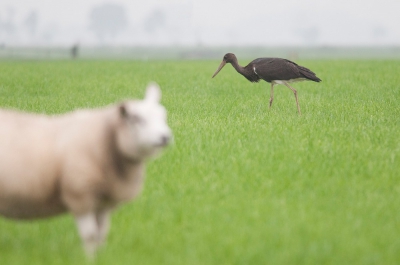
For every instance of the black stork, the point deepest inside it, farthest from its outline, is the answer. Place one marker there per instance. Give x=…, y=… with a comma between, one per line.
x=272, y=70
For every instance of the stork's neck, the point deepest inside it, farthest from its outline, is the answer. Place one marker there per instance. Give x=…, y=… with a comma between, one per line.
x=238, y=68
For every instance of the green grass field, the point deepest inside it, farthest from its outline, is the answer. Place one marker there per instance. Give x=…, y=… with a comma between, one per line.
x=242, y=183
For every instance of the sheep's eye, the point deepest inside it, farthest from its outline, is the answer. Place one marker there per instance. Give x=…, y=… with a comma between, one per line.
x=136, y=119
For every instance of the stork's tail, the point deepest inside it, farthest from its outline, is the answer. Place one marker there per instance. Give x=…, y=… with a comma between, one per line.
x=307, y=73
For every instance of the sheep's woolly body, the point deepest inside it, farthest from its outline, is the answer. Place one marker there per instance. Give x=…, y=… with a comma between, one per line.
x=85, y=162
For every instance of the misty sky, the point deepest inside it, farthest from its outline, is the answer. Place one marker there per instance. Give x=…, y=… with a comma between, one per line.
x=202, y=22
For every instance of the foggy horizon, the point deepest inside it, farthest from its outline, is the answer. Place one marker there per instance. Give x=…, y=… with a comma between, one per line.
x=194, y=23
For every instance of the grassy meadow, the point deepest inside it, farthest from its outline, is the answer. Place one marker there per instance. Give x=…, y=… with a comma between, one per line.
x=242, y=183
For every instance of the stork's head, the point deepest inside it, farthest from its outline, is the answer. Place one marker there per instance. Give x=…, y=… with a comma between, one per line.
x=228, y=58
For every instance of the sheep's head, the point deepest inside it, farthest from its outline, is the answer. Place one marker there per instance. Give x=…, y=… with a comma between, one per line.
x=144, y=130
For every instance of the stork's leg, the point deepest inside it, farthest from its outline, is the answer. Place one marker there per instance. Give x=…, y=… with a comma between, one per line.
x=295, y=95
x=272, y=95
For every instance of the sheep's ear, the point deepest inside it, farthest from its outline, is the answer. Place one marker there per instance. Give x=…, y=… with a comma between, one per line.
x=153, y=93
x=123, y=112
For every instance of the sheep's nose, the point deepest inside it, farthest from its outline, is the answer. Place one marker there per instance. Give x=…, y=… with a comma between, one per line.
x=165, y=139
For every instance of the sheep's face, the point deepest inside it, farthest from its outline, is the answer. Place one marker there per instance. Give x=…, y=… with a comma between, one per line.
x=144, y=130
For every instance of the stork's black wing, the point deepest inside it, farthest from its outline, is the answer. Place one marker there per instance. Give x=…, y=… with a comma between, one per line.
x=271, y=69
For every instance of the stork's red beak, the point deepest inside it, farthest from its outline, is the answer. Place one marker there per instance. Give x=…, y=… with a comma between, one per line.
x=219, y=68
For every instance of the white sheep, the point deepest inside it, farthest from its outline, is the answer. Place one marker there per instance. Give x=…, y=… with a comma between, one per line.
x=85, y=162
